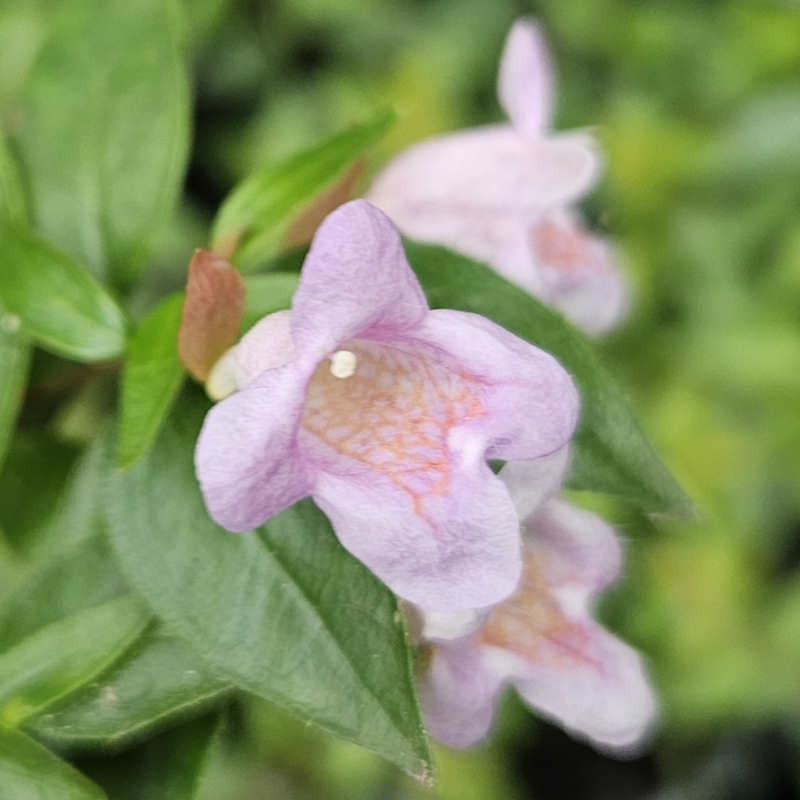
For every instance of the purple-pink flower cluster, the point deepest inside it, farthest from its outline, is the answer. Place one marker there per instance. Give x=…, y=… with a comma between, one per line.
x=503, y=194
x=387, y=414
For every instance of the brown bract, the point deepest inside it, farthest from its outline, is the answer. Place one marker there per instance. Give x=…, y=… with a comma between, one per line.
x=302, y=228
x=212, y=312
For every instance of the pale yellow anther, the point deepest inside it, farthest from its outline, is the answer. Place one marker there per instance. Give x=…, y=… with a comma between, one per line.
x=343, y=364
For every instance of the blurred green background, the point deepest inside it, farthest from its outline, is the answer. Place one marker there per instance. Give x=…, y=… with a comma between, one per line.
x=697, y=105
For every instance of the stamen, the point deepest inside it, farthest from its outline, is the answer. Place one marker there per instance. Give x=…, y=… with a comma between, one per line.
x=343, y=364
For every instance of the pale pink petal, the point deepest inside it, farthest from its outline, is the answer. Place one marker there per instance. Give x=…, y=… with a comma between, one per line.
x=578, y=272
x=457, y=694
x=355, y=279
x=532, y=481
x=511, y=258
x=544, y=641
x=454, y=549
x=581, y=550
x=477, y=191
x=531, y=401
x=525, y=80
x=267, y=345
x=247, y=458
x=595, y=687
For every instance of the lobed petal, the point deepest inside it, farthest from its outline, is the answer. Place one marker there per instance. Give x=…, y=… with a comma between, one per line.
x=525, y=80
x=543, y=640
x=581, y=551
x=247, y=459
x=578, y=272
x=477, y=191
x=449, y=550
x=532, y=403
x=600, y=692
x=458, y=694
x=355, y=279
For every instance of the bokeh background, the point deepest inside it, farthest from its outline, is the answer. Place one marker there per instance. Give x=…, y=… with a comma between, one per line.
x=697, y=105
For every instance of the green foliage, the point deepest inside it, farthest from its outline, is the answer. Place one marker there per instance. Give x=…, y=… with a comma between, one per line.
x=29, y=772
x=256, y=215
x=13, y=203
x=169, y=767
x=65, y=655
x=73, y=579
x=151, y=379
x=267, y=294
x=57, y=303
x=14, y=350
x=14, y=362
x=611, y=453
x=155, y=682
x=253, y=597
x=104, y=130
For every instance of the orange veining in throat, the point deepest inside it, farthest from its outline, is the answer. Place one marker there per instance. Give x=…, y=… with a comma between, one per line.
x=533, y=624
x=393, y=414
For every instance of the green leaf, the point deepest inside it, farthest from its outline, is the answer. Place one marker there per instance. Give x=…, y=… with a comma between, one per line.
x=72, y=580
x=58, y=304
x=65, y=655
x=15, y=352
x=169, y=767
x=151, y=380
x=13, y=203
x=103, y=131
x=257, y=213
x=283, y=612
x=267, y=294
x=29, y=772
x=33, y=479
x=15, y=357
x=159, y=680
x=49, y=493
x=611, y=452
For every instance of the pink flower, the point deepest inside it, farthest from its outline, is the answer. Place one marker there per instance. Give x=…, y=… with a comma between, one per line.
x=384, y=412
x=498, y=194
x=544, y=642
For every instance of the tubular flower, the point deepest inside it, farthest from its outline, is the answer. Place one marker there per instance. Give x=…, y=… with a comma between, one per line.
x=544, y=642
x=499, y=193
x=384, y=412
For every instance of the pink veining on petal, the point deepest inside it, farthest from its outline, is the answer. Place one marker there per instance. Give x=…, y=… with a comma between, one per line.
x=578, y=271
x=534, y=625
x=393, y=416
x=561, y=244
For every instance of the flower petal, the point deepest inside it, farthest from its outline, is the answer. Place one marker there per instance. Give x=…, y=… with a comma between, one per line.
x=582, y=552
x=544, y=641
x=457, y=694
x=578, y=272
x=600, y=691
x=525, y=79
x=531, y=401
x=532, y=481
x=267, y=345
x=247, y=459
x=452, y=549
x=355, y=279
x=477, y=191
